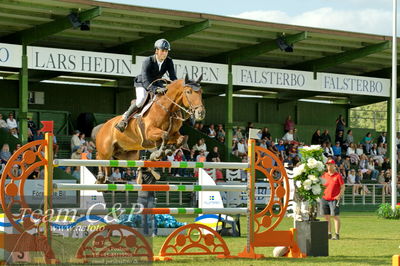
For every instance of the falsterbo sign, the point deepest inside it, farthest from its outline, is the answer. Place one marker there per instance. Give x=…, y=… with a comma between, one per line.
x=64, y=60
x=303, y=80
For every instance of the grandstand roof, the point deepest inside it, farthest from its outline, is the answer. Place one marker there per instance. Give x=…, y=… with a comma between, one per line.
x=199, y=37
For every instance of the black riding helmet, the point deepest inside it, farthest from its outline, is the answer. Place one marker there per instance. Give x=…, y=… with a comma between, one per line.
x=162, y=44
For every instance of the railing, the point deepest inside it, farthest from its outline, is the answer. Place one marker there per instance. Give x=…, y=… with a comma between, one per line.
x=377, y=195
x=370, y=119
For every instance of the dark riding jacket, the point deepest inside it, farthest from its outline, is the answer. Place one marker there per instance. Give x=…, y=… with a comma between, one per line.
x=151, y=72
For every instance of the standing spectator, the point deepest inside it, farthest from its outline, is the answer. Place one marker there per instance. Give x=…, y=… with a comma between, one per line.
x=5, y=153
x=11, y=122
x=146, y=199
x=3, y=124
x=316, y=138
x=289, y=124
x=334, y=189
x=211, y=132
x=325, y=137
x=75, y=141
x=382, y=138
x=340, y=124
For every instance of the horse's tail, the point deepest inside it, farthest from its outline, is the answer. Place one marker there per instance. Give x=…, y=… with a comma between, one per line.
x=96, y=130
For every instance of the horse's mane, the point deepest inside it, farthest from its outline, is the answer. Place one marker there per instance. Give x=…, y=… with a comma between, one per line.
x=194, y=84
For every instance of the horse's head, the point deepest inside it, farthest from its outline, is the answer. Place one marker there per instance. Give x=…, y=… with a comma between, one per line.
x=192, y=97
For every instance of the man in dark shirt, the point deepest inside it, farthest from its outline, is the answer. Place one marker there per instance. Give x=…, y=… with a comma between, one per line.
x=153, y=68
x=146, y=199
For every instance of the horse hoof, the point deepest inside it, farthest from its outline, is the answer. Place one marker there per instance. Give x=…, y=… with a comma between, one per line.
x=155, y=156
x=168, y=152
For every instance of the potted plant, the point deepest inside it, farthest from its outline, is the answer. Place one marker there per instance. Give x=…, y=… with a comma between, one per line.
x=312, y=234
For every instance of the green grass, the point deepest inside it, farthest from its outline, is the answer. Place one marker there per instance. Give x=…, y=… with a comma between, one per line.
x=365, y=240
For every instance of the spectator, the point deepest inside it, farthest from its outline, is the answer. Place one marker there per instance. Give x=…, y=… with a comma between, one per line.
x=372, y=171
x=203, y=129
x=354, y=180
x=281, y=149
x=14, y=132
x=3, y=124
x=220, y=132
x=339, y=138
x=237, y=133
x=249, y=125
x=384, y=180
x=382, y=138
x=11, y=122
x=340, y=124
x=76, y=173
x=265, y=134
x=346, y=164
x=375, y=154
x=325, y=137
x=128, y=175
x=77, y=155
x=75, y=141
x=328, y=150
x=289, y=124
x=178, y=158
x=211, y=132
x=273, y=148
x=386, y=164
x=382, y=149
x=116, y=175
x=337, y=149
x=241, y=148
x=200, y=145
x=201, y=157
x=316, y=138
x=295, y=135
x=5, y=153
x=82, y=139
x=33, y=128
x=351, y=153
x=288, y=137
x=349, y=138
x=360, y=150
x=214, y=156
x=367, y=141
x=35, y=174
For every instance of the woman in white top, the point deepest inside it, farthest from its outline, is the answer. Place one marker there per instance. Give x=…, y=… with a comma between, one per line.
x=352, y=180
x=3, y=124
x=11, y=122
x=351, y=152
x=200, y=145
x=360, y=150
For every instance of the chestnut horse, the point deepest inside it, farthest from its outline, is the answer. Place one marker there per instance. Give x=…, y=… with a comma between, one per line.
x=159, y=126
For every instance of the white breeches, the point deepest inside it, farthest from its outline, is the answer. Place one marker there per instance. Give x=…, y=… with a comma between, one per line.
x=141, y=95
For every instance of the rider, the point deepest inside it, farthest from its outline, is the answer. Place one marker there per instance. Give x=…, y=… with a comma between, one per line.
x=153, y=68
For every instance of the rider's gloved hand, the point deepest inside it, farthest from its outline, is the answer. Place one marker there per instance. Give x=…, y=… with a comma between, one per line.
x=161, y=90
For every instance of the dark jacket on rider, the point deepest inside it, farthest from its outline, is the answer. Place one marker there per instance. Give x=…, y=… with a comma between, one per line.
x=151, y=72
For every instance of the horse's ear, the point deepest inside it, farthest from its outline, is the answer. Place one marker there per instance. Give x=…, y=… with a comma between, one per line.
x=186, y=78
x=199, y=79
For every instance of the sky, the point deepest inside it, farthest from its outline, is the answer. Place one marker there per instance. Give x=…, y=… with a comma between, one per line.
x=366, y=16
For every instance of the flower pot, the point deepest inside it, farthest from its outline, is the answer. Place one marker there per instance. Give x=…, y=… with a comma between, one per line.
x=312, y=237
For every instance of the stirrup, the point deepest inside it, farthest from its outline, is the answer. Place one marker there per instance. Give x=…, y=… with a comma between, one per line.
x=121, y=125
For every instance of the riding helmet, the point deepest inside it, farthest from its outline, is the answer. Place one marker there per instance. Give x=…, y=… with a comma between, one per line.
x=162, y=44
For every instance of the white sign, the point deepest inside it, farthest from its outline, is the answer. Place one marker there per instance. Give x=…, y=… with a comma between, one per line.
x=10, y=55
x=304, y=81
x=79, y=61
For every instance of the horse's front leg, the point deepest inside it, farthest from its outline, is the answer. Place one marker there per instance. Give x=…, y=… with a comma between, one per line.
x=156, y=135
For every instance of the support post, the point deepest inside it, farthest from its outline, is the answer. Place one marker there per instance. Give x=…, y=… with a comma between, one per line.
x=229, y=114
x=393, y=97
x=48, y=183
x=23, y=97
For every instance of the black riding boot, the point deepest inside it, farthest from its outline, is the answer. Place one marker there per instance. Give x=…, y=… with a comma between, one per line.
x=125, y=117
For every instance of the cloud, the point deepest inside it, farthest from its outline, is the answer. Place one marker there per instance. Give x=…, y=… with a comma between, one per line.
x=366, y=20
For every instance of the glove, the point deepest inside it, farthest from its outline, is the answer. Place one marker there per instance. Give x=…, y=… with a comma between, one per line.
x=161, y=90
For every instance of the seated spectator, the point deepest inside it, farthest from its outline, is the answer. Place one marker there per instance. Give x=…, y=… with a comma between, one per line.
x=11, y=122
x=220, y=131
x=346, y=164
x=33, y=129
x=386, y=164
x=360, y=150
x=289, y=124
x=5, y=153
x=367, y=142
x=273, y=148
x=316, y=138
x=339, y=138
x=203, y=129
x=328, y=150
x=325, y=137
x=241, y=148
x=3, y=124
x=265, y=134
x=201, y=157
x=288, y=137
x=75, y=141
x=82, y=139
x=263, y=143
x=77, y=155
x=14, y=132
x=211, y=132
x=363, y=166
x=375, y=154
x=281, y=149
x=373, y=172
x=354, y=180
x=221, y=139
x=201, y=145
x=296, y=136
x=237, y=133
x=384, y=180
x=213, y=156
x=337, y=149
x=35, y=174
x=382, y=138
x=351, y=153
x=382, y=149
x=349, y=138
x=339, y=162
x=76, y=173
x=116, y=175
x=192, y=156
x=179, y=157
x=128, y=175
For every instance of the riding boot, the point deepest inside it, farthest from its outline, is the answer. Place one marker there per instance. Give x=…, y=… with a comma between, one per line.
x=125, y=117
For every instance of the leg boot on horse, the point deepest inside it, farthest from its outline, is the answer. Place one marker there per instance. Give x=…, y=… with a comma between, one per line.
x=133, y=108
